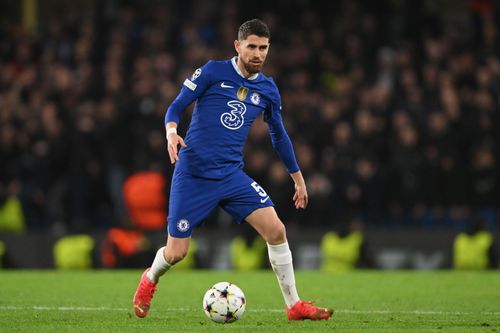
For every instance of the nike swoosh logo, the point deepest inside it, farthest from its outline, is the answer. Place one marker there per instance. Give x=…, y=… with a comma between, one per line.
x=224, y=85
x=264, y=200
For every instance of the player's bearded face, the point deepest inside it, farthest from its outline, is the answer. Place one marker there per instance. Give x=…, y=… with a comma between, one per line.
x=252, y=53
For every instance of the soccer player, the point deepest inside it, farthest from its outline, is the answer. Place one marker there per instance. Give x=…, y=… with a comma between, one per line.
x=229, y=96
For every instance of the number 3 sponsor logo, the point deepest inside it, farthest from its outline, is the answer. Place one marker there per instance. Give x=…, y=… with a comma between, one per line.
x=234, y=118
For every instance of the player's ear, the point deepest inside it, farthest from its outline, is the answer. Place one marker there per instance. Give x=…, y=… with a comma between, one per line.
x=237, y=46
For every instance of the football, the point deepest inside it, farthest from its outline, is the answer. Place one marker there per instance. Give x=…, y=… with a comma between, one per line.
x=224, y=303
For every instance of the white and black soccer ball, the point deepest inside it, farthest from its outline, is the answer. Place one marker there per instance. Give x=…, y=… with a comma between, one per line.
x=224, y=302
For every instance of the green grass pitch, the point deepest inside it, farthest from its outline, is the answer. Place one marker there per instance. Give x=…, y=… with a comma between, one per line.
x=366, y=301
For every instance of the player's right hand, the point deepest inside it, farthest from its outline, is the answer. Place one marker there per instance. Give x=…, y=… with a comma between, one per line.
x=173, y=141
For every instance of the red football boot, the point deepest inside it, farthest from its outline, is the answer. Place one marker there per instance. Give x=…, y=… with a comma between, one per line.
x=306, y=310
x=143, y=295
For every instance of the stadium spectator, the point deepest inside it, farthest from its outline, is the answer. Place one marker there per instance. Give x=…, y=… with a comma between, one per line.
x=346, y=248
x=410, y=86
x=475, y=247
x=248, y=251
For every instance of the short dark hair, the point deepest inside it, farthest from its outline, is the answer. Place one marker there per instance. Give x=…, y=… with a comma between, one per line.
x=253, y=27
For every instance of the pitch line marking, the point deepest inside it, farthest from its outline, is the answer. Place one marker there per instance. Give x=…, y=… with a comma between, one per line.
x=347, y=311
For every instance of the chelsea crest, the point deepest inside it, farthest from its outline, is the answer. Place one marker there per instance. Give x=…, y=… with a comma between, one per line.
x=255, y=98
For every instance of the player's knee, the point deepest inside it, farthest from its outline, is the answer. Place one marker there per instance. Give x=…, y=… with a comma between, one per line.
x=276, y=234
x=173, y=256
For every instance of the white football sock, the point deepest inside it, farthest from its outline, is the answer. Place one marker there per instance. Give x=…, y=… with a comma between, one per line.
x=281, y=261
x=159, y=267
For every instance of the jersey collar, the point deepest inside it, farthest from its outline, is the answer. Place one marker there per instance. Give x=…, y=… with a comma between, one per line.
x=237, y=69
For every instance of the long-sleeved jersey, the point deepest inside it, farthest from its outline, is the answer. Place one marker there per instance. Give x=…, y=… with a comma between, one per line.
x=227, y=103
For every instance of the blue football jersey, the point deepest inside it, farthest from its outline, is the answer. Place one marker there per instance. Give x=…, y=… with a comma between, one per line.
x=227, y=104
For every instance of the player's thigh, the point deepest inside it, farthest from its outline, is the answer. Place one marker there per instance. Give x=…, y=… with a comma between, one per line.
x=268, y=225
x=241, y=196
x=191, y=201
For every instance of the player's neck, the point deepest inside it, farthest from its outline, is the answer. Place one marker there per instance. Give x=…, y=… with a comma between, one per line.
x=242, y=68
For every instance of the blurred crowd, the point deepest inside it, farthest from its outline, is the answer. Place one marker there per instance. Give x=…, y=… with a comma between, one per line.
x=393, y=106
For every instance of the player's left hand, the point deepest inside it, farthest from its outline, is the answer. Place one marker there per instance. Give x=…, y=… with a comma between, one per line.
x=174, y=141
x=300, y=197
